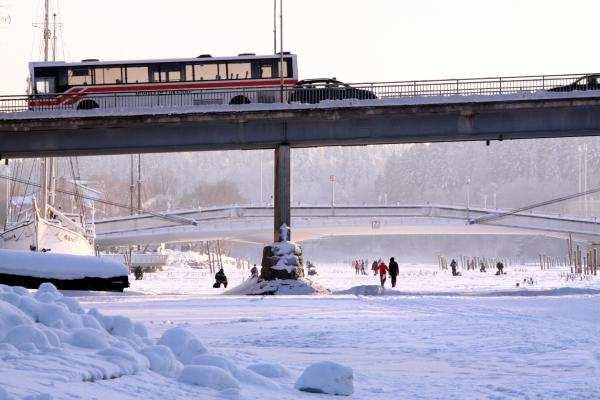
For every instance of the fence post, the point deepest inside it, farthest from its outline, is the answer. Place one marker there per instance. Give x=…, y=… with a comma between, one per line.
x=500, y=81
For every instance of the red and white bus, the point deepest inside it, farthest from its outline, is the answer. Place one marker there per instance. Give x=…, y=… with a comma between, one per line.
x=203, y=80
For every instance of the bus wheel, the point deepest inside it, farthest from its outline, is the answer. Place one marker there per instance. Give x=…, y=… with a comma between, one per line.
x=87, y=105
x=240, y=100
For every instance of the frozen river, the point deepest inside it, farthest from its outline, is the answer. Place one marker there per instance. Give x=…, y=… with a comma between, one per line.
x=437, y=337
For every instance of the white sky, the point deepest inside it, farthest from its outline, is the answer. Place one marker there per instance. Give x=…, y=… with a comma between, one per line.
x=366, y=40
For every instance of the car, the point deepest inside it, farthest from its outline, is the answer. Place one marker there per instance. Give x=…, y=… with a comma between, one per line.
x=587, y=82
x=317, y=90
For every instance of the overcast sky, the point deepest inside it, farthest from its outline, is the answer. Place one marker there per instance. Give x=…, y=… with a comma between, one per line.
x=366, y=40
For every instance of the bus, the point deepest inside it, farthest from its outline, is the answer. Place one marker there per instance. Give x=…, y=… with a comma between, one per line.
x=204, y=80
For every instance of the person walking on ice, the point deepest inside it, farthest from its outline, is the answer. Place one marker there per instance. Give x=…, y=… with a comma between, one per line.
x=453, y=265
x=383, y=270
x=394, y=271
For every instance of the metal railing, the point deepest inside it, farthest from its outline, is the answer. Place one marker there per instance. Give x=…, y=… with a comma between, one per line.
x=307, y=94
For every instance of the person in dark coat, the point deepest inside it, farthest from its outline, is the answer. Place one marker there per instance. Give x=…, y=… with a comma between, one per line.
x=393, y=271
x=453, y=265
x=500, y=267
x=220, y=279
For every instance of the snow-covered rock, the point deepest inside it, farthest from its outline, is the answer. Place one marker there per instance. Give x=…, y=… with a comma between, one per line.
x=269, y=370
x=282, y=260
x=182, y=343
x=208, y=376
x=326, y=377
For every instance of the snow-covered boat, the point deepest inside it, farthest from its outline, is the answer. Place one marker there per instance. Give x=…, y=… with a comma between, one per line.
x=57, y=234
x=66, y=272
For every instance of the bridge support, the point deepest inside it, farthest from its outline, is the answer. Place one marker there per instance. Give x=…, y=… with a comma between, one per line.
x=282, y=188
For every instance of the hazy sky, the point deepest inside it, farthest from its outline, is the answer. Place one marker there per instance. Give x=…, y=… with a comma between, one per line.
x=366, y=40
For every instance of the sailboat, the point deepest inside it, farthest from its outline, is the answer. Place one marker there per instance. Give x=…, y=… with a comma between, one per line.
x=42, y=226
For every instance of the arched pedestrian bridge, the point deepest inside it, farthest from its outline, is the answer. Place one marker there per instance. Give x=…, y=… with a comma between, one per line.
x=255, y=224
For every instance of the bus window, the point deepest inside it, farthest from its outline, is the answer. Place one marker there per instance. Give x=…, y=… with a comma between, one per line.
x=222, y=74
x=286, y=72
x=137, y=74
x=266, y=71
x=108, y=76
x=44, y=85
x=239, y=70
x=79, y=76
x=189, y=72
x=174, y=75
x=205, y=72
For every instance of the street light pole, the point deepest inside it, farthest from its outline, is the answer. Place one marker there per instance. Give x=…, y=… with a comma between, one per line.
x=468, y=198
x=261, y=176
x=281, y=65
x=332, y=180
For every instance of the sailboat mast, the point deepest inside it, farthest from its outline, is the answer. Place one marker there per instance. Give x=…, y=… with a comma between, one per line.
x=52, y=164
x=45, y=161
x=139, y=184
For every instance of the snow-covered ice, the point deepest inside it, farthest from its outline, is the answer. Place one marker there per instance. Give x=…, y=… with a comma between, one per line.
x=433, y=337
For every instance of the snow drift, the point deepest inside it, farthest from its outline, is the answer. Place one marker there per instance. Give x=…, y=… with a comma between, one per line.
x=44, y=331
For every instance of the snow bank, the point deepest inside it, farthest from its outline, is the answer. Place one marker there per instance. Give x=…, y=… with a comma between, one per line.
x=326, y=377
x=58, y=266
x=42, y=332
x=45, y=330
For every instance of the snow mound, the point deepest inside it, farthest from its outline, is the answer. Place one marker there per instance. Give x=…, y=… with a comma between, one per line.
x=208, y=376
x=256, y=286
x=269, y=370
x=183, y=344
x=363, y=290
x=241, y=374
x=326, y=377
x=162, y=360
x=58, y=266
x=89, y=338
x=27, y=338
x=46, y=331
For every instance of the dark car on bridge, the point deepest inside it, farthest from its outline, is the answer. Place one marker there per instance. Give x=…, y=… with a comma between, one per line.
x=587, y=82
x=317, y=90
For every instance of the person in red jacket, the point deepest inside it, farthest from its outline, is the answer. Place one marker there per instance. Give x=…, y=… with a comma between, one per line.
x=383, y=270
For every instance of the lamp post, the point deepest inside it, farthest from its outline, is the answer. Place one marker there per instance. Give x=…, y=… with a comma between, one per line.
x=332, y=180
x=468, y=198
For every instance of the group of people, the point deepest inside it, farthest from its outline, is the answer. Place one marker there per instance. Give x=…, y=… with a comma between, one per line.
x=482, y=268
x=379, y=267
x=359, y=266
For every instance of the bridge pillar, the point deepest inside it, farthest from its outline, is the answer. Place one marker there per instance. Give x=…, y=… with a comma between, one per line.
x=281, y=200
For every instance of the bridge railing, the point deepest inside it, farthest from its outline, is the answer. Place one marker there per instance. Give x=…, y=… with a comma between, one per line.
x=97, y=97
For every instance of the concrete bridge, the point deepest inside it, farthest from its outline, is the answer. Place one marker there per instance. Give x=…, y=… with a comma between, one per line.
x=403, y=112
x=254, y=224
